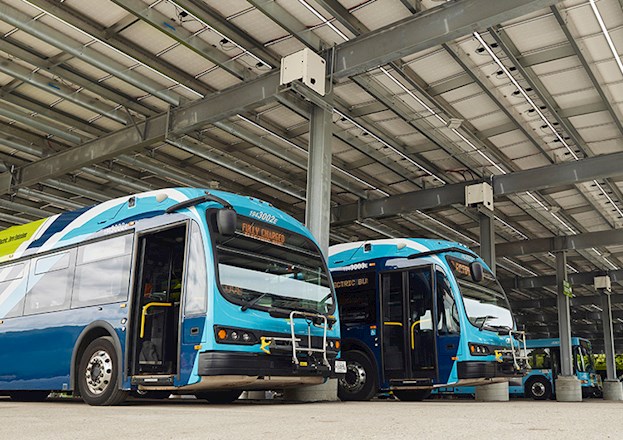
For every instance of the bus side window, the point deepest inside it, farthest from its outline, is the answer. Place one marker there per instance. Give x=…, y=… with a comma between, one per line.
x=448, y=314
x=11, y=277
x=196, y=284
x=356, y=297
x=50, y=283
x=103, y=272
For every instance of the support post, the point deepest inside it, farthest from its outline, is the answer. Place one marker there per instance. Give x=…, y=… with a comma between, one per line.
x=487, y=237
x=612, y=387
x=318, y=206
x=318, y=218
x=568, y=388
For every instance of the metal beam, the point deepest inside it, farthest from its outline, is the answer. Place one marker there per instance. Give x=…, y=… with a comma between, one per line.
x=416, y=33
x=616, y=298
x=585, y=240
x=61, y=90
x=56, y=38
x=184, y=37
x=520, y=181
x=422, y=31
x=581, y=278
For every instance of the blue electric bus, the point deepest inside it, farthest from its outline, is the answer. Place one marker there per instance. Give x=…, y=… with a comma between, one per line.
x=419, y=314
x=543, y=356
x=171, y=291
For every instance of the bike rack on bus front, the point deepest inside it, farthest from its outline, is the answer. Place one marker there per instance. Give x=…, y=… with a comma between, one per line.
x=520, y=336
x=294, y=341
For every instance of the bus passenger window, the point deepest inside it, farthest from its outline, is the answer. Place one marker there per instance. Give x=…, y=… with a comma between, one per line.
x=11, y=279
x=196, y=285
x=356, y=297
x=50, y=283
x=446, y=306
x=103, y=272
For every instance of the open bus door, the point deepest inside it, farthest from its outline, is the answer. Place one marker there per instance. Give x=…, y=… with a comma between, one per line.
x=156, y=305
x=409, y=342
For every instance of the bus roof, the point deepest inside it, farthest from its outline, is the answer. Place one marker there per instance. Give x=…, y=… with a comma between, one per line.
x=357, y=252
x=551, y=342
x=74, y=226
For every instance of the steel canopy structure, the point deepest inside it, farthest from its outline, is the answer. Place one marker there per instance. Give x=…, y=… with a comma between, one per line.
x=106, y=97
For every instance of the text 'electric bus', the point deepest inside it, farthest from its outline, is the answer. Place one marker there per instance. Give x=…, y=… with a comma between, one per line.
x=172, y=291
x=419, y=314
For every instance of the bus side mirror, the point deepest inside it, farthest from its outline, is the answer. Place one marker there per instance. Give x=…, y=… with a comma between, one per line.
x=226, y=221
x=475, y=270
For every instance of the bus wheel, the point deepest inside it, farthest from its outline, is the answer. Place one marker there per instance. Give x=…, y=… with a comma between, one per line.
x=29, y=396
x=98, y=374
x=219, y=397
x=538, y=388
x=412, y=395
x=359, y=382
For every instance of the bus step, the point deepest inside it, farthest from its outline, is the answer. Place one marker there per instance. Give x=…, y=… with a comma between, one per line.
x=159, y=380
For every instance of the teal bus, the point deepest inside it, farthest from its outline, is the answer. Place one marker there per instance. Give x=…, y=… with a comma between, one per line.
x=543, y=357
x=419, y=314
x=180, y=290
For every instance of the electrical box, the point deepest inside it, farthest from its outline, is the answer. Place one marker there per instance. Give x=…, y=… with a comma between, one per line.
x=603, y=282
x=306, y=66
x=479, y=194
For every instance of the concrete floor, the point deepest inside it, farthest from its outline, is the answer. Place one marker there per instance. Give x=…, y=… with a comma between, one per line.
x=387, y=420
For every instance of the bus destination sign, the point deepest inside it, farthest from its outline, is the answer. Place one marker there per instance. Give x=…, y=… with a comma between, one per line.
x=263, y=233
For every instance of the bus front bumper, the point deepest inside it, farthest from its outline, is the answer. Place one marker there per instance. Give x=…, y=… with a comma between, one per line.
x=486, y=370
x=222, y=363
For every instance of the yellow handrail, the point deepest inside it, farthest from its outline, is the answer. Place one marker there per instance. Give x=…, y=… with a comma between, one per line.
x=413, y=332
x=145, y=308
x=399, y=324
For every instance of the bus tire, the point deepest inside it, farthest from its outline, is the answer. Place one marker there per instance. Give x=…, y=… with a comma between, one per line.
x=538, y=388
x=29, y=396
x=98, y=374
x=412, y=395
x=360, y=381
x=219, y=397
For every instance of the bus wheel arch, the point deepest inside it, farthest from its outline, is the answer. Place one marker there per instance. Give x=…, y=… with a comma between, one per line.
x=538, y=388
x=93, y=331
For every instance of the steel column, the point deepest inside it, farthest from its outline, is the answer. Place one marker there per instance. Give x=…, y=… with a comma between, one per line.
x=606, y=306
x=318, y=207
x=487, y=237
x=564, y=316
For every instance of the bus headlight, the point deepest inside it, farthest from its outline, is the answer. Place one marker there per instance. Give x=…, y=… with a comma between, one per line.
x=226, y=335
x=479, y=349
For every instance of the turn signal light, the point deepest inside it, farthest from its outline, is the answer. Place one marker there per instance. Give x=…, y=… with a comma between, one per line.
x=337, y=345
x=238, y=336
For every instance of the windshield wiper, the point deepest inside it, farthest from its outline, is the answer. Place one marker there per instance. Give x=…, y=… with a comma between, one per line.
x=442, y=251
x=253, y=302
x=484, y=320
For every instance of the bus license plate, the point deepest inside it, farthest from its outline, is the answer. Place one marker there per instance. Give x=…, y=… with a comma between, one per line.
x=340, y=366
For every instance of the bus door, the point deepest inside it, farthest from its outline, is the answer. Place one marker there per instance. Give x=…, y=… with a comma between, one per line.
x=156, y=303
x=448, y=326
x=408, y=348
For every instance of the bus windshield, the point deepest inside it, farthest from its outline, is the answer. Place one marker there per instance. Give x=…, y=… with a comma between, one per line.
x=268, y=267
x=584, y=361
x=486, y=304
